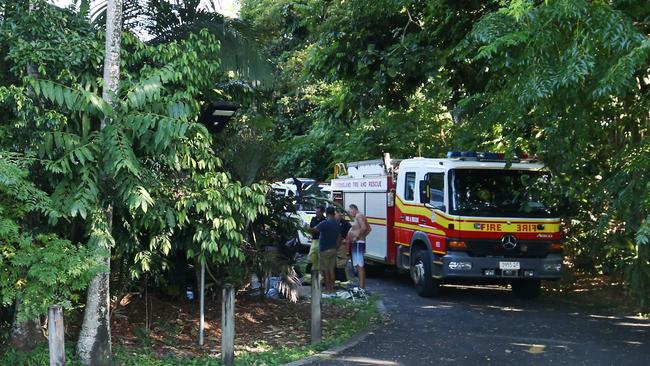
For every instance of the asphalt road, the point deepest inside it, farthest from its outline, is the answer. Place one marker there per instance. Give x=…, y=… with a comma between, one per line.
x=490, y=326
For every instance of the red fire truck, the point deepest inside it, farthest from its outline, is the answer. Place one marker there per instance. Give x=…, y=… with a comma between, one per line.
x=470, y=217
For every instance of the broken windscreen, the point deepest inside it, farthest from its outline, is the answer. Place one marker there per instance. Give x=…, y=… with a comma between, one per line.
x=499, y=193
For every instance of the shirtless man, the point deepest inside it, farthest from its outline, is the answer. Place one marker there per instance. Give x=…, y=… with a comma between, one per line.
x=357, y=236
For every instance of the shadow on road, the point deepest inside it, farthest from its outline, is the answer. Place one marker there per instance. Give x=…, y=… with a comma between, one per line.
x=397, y=285
x=489, y=325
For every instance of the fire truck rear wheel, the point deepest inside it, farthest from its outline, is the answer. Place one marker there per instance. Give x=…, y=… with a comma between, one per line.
x=425, y=285
x=527, y=289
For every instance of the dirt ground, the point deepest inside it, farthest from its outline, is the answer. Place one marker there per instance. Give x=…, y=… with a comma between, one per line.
x=171, y=326
x=606, y=293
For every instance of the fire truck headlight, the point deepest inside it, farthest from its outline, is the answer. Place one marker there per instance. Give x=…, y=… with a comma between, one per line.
x=460, y=265
x=553, y=267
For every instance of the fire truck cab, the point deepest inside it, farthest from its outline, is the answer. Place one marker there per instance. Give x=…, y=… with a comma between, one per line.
x=470, y=217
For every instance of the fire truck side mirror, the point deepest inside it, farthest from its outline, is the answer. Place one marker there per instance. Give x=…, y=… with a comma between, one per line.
x=424, y=192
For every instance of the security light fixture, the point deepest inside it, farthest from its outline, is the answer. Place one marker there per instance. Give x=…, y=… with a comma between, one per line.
x=216, y=115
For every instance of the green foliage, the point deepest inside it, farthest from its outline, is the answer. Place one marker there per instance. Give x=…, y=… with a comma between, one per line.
x=360, y=78
x=37, y=357
x=153, y=164
x=564, y=80
x=172, y=20
x=40, y=269
x=18, y=195
x=219, y=210
x=568, y=81
x=45, y=271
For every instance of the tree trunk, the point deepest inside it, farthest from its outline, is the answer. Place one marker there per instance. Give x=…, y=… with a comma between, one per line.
x=25, y=335
x=94, y=345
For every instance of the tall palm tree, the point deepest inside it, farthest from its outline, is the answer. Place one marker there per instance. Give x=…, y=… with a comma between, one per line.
x=94, y=344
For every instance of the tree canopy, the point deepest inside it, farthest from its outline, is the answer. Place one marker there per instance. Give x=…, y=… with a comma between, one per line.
x=317, y=82
x=153, y=163
x=566, y=81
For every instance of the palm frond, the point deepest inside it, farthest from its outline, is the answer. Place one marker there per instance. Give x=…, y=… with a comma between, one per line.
x=133, y=14
x=289, y=285
x=165, y=21
x=240, y=55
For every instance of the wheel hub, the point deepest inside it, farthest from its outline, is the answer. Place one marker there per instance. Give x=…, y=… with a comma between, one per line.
x=417, y=272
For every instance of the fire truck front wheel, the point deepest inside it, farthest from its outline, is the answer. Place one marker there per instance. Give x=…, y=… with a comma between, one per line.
x=425, y=284
x=527, y=289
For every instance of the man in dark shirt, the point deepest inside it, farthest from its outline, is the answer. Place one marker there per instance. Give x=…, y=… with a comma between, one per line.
x=342, y=251
x=313, y=249
x=329, y=240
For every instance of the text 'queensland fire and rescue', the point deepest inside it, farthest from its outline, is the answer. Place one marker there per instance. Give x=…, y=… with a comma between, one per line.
x=362, y=184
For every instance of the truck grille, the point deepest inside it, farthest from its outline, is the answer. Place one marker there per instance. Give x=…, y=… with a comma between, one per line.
x=524, y=249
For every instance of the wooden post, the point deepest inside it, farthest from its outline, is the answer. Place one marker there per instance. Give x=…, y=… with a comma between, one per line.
x=55, y=335
x=202, y=305
x=228, y=325
x=315, y=308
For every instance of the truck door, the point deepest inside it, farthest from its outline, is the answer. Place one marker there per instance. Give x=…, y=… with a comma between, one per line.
x=406, y=207
x=439, y=225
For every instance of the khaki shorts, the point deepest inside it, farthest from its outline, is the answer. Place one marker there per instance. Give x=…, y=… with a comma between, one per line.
x=328, y=260
x=341, y=257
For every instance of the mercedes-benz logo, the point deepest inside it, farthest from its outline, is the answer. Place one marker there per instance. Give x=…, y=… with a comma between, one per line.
x=509, y=242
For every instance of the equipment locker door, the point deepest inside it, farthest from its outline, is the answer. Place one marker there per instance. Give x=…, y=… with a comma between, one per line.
x=376, y=212
x=374, y=207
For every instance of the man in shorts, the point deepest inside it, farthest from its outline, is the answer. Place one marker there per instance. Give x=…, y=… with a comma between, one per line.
x=313, y=249
x=357, y=236
x=342, y=251
x=329, y=240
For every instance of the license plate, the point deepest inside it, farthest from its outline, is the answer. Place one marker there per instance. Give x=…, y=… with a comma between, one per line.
x=508, y=265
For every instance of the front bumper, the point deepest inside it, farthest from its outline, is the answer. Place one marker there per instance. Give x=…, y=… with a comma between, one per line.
x=449, y=266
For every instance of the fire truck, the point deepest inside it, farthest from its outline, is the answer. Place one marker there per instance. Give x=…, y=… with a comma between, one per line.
x=467, y=218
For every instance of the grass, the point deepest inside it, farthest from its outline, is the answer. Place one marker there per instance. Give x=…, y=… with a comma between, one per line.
x=334, y=334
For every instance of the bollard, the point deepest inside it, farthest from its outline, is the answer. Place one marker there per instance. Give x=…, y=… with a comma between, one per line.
x=315, y=308
x=55, y=335
x=228, y=325
x=202, y=305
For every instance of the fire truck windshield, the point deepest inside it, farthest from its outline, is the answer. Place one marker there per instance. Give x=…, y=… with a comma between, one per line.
x=499, y=193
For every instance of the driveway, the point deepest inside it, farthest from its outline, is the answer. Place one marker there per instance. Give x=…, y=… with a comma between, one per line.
x=490, y=326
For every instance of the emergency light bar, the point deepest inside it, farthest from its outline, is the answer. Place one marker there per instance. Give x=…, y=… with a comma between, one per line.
x=484, y=156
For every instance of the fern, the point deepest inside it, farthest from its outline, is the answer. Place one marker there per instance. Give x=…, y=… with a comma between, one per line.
x=119, y=152
x=72, y=99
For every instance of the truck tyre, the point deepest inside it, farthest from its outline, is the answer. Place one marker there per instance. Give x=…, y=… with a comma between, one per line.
x=527, y=289
x=425, y=285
